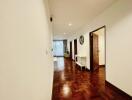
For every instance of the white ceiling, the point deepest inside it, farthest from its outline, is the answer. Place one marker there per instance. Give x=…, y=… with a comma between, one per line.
x=76, y=12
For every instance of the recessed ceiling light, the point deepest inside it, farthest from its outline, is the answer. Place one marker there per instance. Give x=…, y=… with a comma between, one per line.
x=64, y=33
x=70, y=24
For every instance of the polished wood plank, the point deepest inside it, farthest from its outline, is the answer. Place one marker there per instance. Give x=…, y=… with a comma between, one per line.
x=70, y=83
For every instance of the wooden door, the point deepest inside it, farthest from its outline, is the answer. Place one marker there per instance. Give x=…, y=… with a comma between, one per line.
x=71, y=49
x=95, y=52
x=75, y=48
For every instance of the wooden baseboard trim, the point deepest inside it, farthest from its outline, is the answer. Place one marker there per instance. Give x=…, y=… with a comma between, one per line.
x=127, y=96
x=101, y=65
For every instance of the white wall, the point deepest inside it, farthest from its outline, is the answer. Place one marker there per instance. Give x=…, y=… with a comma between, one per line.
x=101, y=49
x=26, y=69
x=81, y=49
x=118, y=21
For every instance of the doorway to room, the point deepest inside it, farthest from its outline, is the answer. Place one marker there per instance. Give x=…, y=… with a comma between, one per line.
x=71, y=49
x=97, y=48
x=75, y=49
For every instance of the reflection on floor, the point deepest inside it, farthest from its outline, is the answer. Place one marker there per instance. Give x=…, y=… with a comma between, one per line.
x=70, y=83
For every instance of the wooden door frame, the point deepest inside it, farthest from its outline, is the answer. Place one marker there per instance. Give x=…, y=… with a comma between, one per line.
x=91, y=46
x=74, y=48
x=71, y=49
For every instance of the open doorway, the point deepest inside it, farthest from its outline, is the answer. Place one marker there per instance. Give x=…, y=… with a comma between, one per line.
x=75, y=49
x=97, y=48
x=71, y=49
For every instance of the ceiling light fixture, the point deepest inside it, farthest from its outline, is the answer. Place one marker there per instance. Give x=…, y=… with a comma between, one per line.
x=70, y=24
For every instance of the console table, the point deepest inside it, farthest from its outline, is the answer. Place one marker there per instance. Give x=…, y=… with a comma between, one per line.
x=81, y=60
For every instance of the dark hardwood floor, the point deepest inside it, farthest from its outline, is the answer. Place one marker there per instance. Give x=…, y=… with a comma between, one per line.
x=70, y=83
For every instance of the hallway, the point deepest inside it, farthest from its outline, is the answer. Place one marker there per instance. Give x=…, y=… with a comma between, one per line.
x=70, y=83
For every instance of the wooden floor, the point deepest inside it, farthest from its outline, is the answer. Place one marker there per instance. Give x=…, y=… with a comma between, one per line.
x=70, y=83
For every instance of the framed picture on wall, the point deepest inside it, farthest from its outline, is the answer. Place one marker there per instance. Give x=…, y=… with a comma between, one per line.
x=81, y=39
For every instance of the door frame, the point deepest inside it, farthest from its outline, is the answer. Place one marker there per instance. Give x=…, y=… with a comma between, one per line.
x=75, y=48
x=91, y=46
x=71, y=49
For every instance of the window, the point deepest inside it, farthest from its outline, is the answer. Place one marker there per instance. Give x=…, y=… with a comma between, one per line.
x=58, y=48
